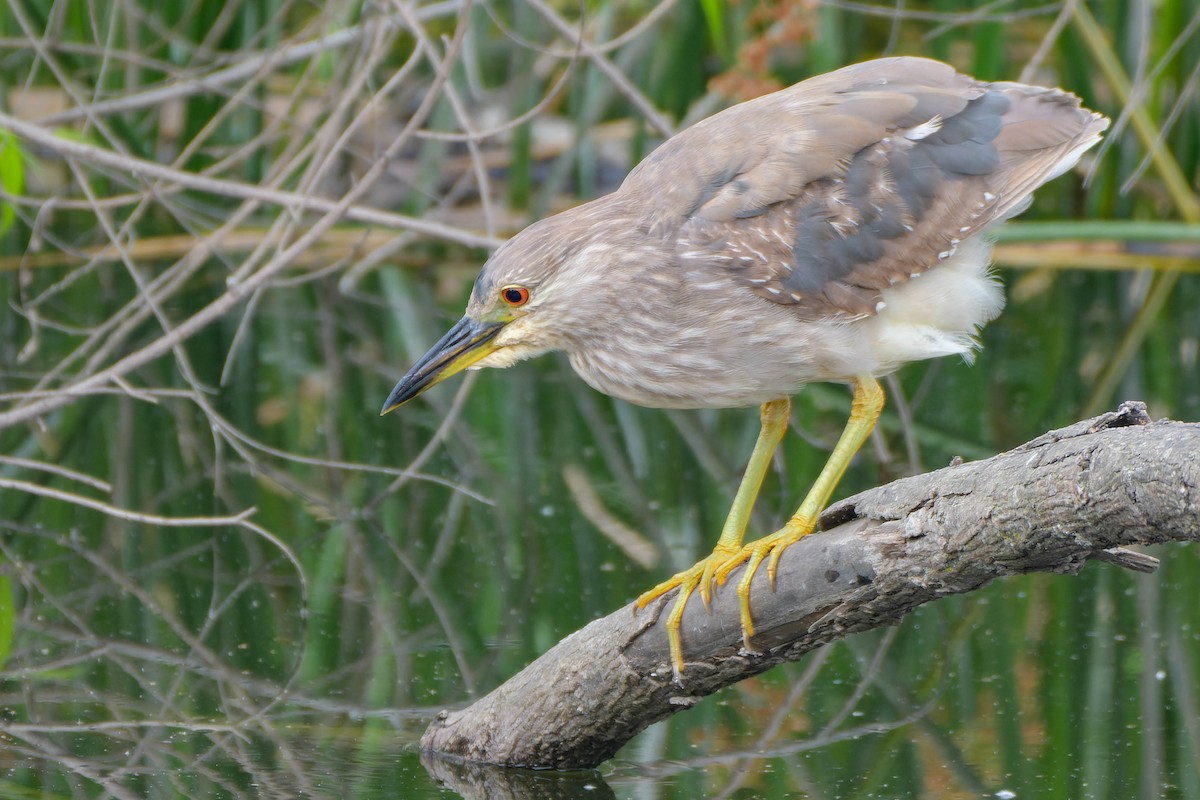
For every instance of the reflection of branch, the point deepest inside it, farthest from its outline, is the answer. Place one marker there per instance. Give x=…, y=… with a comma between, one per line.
x=473, y=781
x=1050, y=505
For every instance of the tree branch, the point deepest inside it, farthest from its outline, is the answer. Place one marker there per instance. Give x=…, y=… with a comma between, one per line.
x=1050, y=505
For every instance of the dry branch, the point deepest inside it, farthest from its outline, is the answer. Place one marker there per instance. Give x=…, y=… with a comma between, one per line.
x=1052, y=504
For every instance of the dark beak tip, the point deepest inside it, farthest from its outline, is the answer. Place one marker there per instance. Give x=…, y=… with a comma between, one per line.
x=395, y=400
x=430, y=369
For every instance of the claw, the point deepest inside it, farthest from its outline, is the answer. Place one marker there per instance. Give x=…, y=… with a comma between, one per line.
x=730, y=553
x=796, y=529
x=686, y=582
x=697, y=578
x=743, y=593
x=715, y=570
x=752, y=555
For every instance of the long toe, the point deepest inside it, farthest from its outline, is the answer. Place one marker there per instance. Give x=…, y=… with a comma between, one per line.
x=691, y=576
x=686, y=582
x=794, y=531
x=753, y=554
x=697, y=578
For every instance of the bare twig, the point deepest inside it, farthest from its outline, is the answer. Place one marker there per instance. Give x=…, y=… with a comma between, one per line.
x=610, y=70
x=216, y=81
x=228, y=188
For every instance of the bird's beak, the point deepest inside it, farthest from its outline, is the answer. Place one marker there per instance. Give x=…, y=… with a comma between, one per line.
x=464, y=344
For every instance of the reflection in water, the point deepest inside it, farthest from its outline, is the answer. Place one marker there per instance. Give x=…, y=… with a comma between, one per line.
x=296, y=756
x=191, y=673
x=490, y=782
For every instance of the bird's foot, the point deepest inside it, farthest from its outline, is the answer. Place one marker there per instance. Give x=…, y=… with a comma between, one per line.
x=768, y=548
x=697, y=577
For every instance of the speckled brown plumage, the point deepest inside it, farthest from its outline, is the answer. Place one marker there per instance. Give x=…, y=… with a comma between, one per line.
x=777, y=243
x=822, y=194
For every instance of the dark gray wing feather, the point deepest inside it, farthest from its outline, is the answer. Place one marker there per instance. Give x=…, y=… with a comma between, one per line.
x=820, y=195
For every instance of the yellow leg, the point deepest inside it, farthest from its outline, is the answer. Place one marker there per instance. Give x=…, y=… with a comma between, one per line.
x=775, y=415
x=864, y=413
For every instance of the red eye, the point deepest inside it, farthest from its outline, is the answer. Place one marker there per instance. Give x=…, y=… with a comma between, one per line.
x=515, y=295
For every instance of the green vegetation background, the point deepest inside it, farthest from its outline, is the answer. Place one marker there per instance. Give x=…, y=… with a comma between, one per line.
x=200, y=506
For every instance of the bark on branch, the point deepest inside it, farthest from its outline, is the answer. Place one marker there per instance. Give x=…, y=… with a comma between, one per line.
x=1080, y=493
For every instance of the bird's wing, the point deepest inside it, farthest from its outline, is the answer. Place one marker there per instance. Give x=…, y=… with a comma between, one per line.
x=820, y=195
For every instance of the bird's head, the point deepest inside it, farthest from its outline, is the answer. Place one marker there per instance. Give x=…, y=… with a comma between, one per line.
x=535, y=294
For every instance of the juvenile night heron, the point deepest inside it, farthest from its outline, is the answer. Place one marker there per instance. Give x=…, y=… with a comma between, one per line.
x=827, y=232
